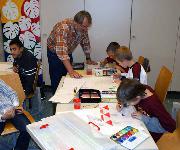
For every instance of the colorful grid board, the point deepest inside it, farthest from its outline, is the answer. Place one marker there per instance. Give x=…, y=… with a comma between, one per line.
x=129, y=137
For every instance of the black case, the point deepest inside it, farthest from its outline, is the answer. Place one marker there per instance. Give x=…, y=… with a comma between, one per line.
x=78, y=66
x=91, y=98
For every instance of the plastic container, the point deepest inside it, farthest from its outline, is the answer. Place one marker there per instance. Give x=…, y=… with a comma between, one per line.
x=89, y=71
x=77, y=103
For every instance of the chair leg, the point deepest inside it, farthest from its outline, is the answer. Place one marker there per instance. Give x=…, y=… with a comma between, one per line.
x=30, y=103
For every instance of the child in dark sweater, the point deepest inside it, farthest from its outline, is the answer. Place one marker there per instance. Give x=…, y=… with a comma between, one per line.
x=149, y=108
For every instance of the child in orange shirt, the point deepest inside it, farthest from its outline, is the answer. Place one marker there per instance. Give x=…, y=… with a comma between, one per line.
x=111, y=59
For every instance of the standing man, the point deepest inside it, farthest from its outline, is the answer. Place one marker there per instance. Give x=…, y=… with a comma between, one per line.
x=63, y=39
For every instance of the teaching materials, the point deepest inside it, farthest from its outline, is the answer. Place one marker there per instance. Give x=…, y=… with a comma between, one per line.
x=70, y=86
x=105, y=114
x=129, y=137
x=67, y=131
x=89, y=96
x=77, y=103
x=99, y=72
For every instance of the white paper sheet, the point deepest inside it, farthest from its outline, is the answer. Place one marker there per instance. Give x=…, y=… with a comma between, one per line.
x=66, y=93
x=6, y=67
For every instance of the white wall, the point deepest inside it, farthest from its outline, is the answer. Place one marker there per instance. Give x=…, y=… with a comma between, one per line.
x=53, y=11
x=111, y=22
x=176, y=77
x=154, y=26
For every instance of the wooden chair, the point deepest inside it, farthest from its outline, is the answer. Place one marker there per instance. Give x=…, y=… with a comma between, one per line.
x=162, y=83
x=29, y=97
x=141, y=60
x=145, y=63
x=13, y=80
x=171, y=141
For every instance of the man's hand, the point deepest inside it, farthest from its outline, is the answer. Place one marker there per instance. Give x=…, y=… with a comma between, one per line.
x=15, y=69
x=137, y=115
x=91, y=62
x=75, y=74
x=9, y=114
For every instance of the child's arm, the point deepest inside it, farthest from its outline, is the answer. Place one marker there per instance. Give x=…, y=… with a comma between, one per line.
x=152, y=123
x=120, y=68
x=103, y=63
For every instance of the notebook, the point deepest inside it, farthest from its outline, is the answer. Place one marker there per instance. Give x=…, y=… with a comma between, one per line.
x=129, y=137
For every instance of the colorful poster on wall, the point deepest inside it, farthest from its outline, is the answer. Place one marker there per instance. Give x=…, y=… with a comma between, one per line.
x=21, y=19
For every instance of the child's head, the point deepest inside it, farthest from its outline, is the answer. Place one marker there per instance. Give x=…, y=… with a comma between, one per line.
x=130, y=92
x=16, y=48
x=111, y=49
x=123, y=56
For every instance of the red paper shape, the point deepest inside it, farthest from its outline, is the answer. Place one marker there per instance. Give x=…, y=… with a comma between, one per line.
x=109, y=122
x=106, y=107
x=107, y=114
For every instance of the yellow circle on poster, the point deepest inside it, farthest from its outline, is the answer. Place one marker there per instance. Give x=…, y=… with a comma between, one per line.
x=10, y=10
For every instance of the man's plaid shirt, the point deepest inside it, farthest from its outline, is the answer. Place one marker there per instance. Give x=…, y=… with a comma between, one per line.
x=65, y=37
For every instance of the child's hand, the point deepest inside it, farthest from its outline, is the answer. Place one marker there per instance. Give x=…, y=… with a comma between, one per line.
x=119, y=107
x=137, y=115
x=116, y=79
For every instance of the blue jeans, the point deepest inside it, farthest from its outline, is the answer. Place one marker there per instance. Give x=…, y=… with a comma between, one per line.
x=56, y=69
x=19, y=121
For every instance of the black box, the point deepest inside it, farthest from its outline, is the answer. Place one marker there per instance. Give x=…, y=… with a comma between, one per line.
x=78, y=66
x=90, y=96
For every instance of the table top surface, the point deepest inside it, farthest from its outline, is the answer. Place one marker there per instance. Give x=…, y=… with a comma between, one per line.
x=118, y=121
x=6, y=67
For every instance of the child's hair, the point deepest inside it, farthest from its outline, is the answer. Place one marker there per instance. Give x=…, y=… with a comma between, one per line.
x=113, y=46
x=16, y=42
x=123, y=53
x=130, y=89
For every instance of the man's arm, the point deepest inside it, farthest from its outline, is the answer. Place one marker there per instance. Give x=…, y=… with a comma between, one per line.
x=85, y=44
x=62, y=52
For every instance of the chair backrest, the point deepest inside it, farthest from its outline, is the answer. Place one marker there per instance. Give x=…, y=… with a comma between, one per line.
x=13, y=80
x=36, y=76
x=162, y=83
x=178, y=122
x=145, y=63
x=141, y=60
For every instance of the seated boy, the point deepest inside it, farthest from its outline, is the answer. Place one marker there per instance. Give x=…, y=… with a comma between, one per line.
x=111, y=50
x=136, y=70
x=8, y=112
x=149, y=108
x=25, y=64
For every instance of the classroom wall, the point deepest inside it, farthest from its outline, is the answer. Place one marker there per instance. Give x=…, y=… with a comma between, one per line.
x=154, y=30
x=51, y=13
x=106, y=26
